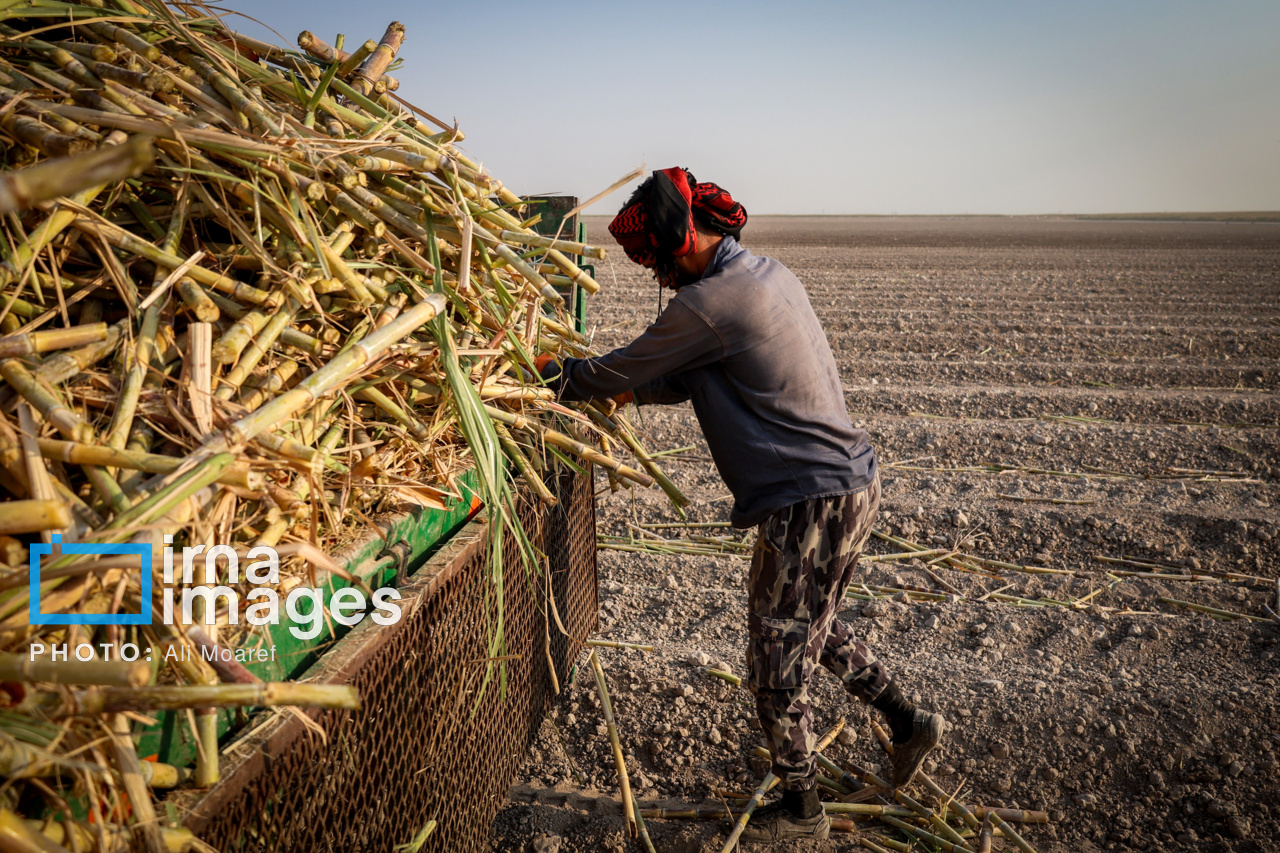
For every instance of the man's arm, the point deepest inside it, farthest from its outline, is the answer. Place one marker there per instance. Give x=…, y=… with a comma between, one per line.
x=663, y=391
x=679, y=340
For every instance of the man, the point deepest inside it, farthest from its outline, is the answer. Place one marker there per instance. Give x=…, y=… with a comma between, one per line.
x=740, y=340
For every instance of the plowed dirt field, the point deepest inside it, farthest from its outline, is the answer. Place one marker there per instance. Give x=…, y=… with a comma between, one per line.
x=1097, y=402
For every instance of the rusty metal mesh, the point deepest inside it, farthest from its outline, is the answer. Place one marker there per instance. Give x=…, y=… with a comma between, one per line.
x=415, y=752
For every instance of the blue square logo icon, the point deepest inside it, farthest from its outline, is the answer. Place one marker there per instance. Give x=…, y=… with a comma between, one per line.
x=69, y=549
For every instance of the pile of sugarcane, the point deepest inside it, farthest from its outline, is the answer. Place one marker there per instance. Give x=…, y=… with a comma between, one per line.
x=248, y=297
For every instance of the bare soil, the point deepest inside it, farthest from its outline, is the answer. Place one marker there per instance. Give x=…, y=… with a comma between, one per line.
x=1048, y=345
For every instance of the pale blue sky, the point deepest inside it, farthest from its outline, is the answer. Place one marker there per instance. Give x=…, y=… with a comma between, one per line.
x=852, y=107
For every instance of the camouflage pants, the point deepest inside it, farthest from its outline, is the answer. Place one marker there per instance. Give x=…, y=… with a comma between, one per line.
x=805, y=557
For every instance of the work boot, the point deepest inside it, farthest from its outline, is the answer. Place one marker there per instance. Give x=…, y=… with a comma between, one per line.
x=785, y=820
x=926, y=733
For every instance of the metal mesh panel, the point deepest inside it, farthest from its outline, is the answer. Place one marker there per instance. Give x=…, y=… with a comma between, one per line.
x=416, y=752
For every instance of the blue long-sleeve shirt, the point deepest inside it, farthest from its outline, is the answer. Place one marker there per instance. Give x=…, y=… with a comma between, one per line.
x=744, y=345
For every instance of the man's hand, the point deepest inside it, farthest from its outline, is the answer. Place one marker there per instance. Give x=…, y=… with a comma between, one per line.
x=550, y=371
x=548, y=367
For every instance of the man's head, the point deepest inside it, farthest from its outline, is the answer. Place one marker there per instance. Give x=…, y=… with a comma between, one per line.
x=671, y=224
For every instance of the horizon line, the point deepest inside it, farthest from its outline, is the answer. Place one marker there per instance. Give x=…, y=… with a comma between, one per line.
x=1188, y=216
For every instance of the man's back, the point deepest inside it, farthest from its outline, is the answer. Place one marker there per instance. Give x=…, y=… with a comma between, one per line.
x=768, y=396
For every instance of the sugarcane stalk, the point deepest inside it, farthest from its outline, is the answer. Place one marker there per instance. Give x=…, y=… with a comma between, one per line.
x=143, y=355
x=392, y=408
x=571, y=246
x=272, y=53
x=16, y=190
x=84, y=94
x=847, y=779
x=525, y=467
x=1212, y=611
x=163, y=777
x=181, y=486
x=273, y=383
x=408, y=160
x=319, y=48
x=613, y=644
x=919, y=834
x=135, y=785
x=61, y=367
x=391, y=309
x=114, y=33
x=200, y=375
x=21, y=258
x=1012, y=815
x=232, y=94
x=71, y=425
x=295, y=338
x=1009, y=832
x=31, y=516
x=226, y=666
x=204, y=308
x=116, y=673
x=342, y=367
x=233, y=341
x=96, y=52
x=81, y=837
x=34, y=108
x=144, y=350
x=868, y=809
x=53, y=339
x=872, y=846
x=121, y=239
x=719, y=812
x=628, y=802
x=645, y=841
x=294, y=449
x=49, y=406
x=376, y=65
x=353, y=283
x=358, y=56
x=564, y=442
x=766, y=785
x=833, y=786
x=623, y=430
x=536, y=283
x=984, y=840
x=267, y=694
x=736, y=681
x=329, y=55
x=17, y=837
x=149, y=82
x=966, y=814
x=938, y=823
x=261, y=344
x=204, y=723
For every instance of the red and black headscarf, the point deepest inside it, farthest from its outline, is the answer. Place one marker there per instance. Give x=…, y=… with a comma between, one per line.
x=657, y=222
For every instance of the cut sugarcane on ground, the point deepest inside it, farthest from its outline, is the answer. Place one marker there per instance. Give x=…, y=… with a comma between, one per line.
x=292, y=308
x=1044, y=348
